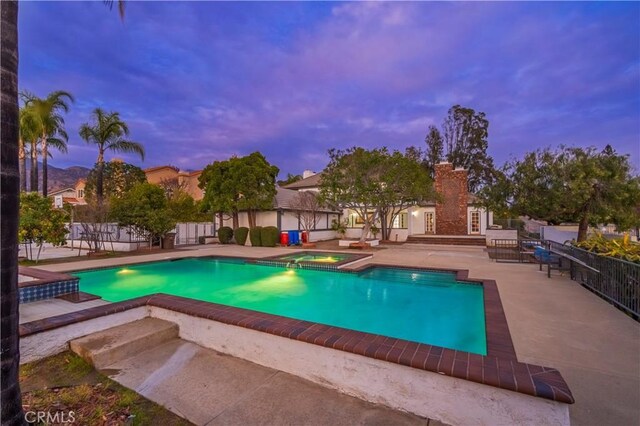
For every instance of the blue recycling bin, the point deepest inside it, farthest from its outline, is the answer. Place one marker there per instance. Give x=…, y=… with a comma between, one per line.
x=294, y=238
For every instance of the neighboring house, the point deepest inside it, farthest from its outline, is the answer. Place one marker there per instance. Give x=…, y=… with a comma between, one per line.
x=73, y=196
x=169, y=175
x=456, y=214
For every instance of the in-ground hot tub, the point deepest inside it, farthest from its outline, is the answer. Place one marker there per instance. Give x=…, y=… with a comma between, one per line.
x=327, y=260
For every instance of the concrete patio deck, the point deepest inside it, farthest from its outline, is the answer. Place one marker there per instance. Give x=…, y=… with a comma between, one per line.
x=553, y=322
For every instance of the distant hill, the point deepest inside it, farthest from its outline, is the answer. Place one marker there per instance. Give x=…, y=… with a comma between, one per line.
x=60, y=178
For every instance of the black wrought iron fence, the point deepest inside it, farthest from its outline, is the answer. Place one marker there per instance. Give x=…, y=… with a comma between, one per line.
x=615, y=280
x=519, y=251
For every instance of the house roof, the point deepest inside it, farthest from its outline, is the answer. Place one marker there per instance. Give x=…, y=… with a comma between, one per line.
x=284, y=200
x=153, y=169
x=310, y=182
x=61, y=191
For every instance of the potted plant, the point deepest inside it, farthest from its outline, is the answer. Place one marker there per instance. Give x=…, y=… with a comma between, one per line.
x=374, y=231
x=339, y=227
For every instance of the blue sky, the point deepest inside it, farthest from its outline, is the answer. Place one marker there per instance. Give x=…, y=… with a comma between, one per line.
x=201, y=81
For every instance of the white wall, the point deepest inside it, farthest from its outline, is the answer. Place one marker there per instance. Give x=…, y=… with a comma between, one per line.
x=117, y=246
x=427, y=394
x=265, y=218
x=500, y=234
x=484, y=224
x=450, y=400
x=322, y=235
x=560, y=233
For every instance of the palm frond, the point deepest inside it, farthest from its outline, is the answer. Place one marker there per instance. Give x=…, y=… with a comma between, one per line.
x=109, y=3
x=126, y=146
x=58, y=144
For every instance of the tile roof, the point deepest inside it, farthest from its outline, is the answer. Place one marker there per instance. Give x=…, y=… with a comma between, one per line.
x=284, y=199
x=310, y=182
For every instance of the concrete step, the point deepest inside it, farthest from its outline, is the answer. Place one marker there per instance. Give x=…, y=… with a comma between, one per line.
x=213, y=389
x=109, y=346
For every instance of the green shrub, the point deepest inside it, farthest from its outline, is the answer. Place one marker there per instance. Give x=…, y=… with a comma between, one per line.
x=622, y=248
x=225, y=234
x=269, y=236
x=241, y=235
x=201, y=239
x=255, y=236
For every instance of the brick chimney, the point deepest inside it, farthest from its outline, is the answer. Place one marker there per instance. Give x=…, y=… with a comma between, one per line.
x=451, y=208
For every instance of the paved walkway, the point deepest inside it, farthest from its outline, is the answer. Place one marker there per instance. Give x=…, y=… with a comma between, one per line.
x=553, y=322
x=209, y=388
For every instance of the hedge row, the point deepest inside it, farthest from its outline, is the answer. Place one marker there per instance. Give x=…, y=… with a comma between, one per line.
x=225, y=234
x=259, y=236
x=255, y=235
x=269, y=236
x=241, y=235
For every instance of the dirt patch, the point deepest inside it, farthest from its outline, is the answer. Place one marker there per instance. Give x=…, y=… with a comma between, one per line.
x=67, y=385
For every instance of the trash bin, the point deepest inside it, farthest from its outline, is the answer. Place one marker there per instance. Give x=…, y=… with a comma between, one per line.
x=305, y=237
x=294, y=238
x=168, y=241
x=284, y=238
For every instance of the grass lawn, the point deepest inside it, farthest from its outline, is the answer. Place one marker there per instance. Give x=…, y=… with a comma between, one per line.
x=65, y=383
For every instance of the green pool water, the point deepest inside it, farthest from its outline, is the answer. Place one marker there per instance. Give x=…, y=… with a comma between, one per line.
x=421, y=306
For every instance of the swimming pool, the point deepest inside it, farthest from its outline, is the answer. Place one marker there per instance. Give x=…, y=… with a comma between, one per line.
x=416, y=305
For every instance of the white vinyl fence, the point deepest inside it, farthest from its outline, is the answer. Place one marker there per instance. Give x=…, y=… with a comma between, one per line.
x=124, y=238
x=188, y=233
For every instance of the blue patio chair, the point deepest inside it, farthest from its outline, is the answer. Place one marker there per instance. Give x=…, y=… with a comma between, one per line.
x=544, y=256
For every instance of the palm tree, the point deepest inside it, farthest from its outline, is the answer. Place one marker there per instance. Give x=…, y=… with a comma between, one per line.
x=108, y=132
x=10, y=396
x=50, y=127
x=27, y=135
x=11, y=401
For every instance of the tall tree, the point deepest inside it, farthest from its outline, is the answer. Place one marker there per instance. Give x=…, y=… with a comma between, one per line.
x=291, y=178
x=10, y=396
x=28, y=134
x=239, y=184
x=49, y=123
x=404, y=183
x=108, y=132
x=144, y=207
x=306, y=204
x=466, y=141
x=220, y=191
x=257, y=179
x=435, y=148
x=118, y=178
x=352, y=180
x=580, y=185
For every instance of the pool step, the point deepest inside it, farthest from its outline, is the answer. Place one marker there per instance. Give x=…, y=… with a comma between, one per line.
x=124, y=341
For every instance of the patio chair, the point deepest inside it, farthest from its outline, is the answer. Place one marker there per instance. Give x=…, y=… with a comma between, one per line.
x=544, y=256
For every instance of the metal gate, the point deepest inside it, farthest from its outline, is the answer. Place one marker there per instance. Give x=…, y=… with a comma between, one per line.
x=189, y=232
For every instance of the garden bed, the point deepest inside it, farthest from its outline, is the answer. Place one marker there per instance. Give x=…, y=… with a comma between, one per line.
x=71, y=391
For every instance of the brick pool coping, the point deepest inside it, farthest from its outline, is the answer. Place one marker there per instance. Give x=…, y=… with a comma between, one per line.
x=499, y=368
x=41, y=277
